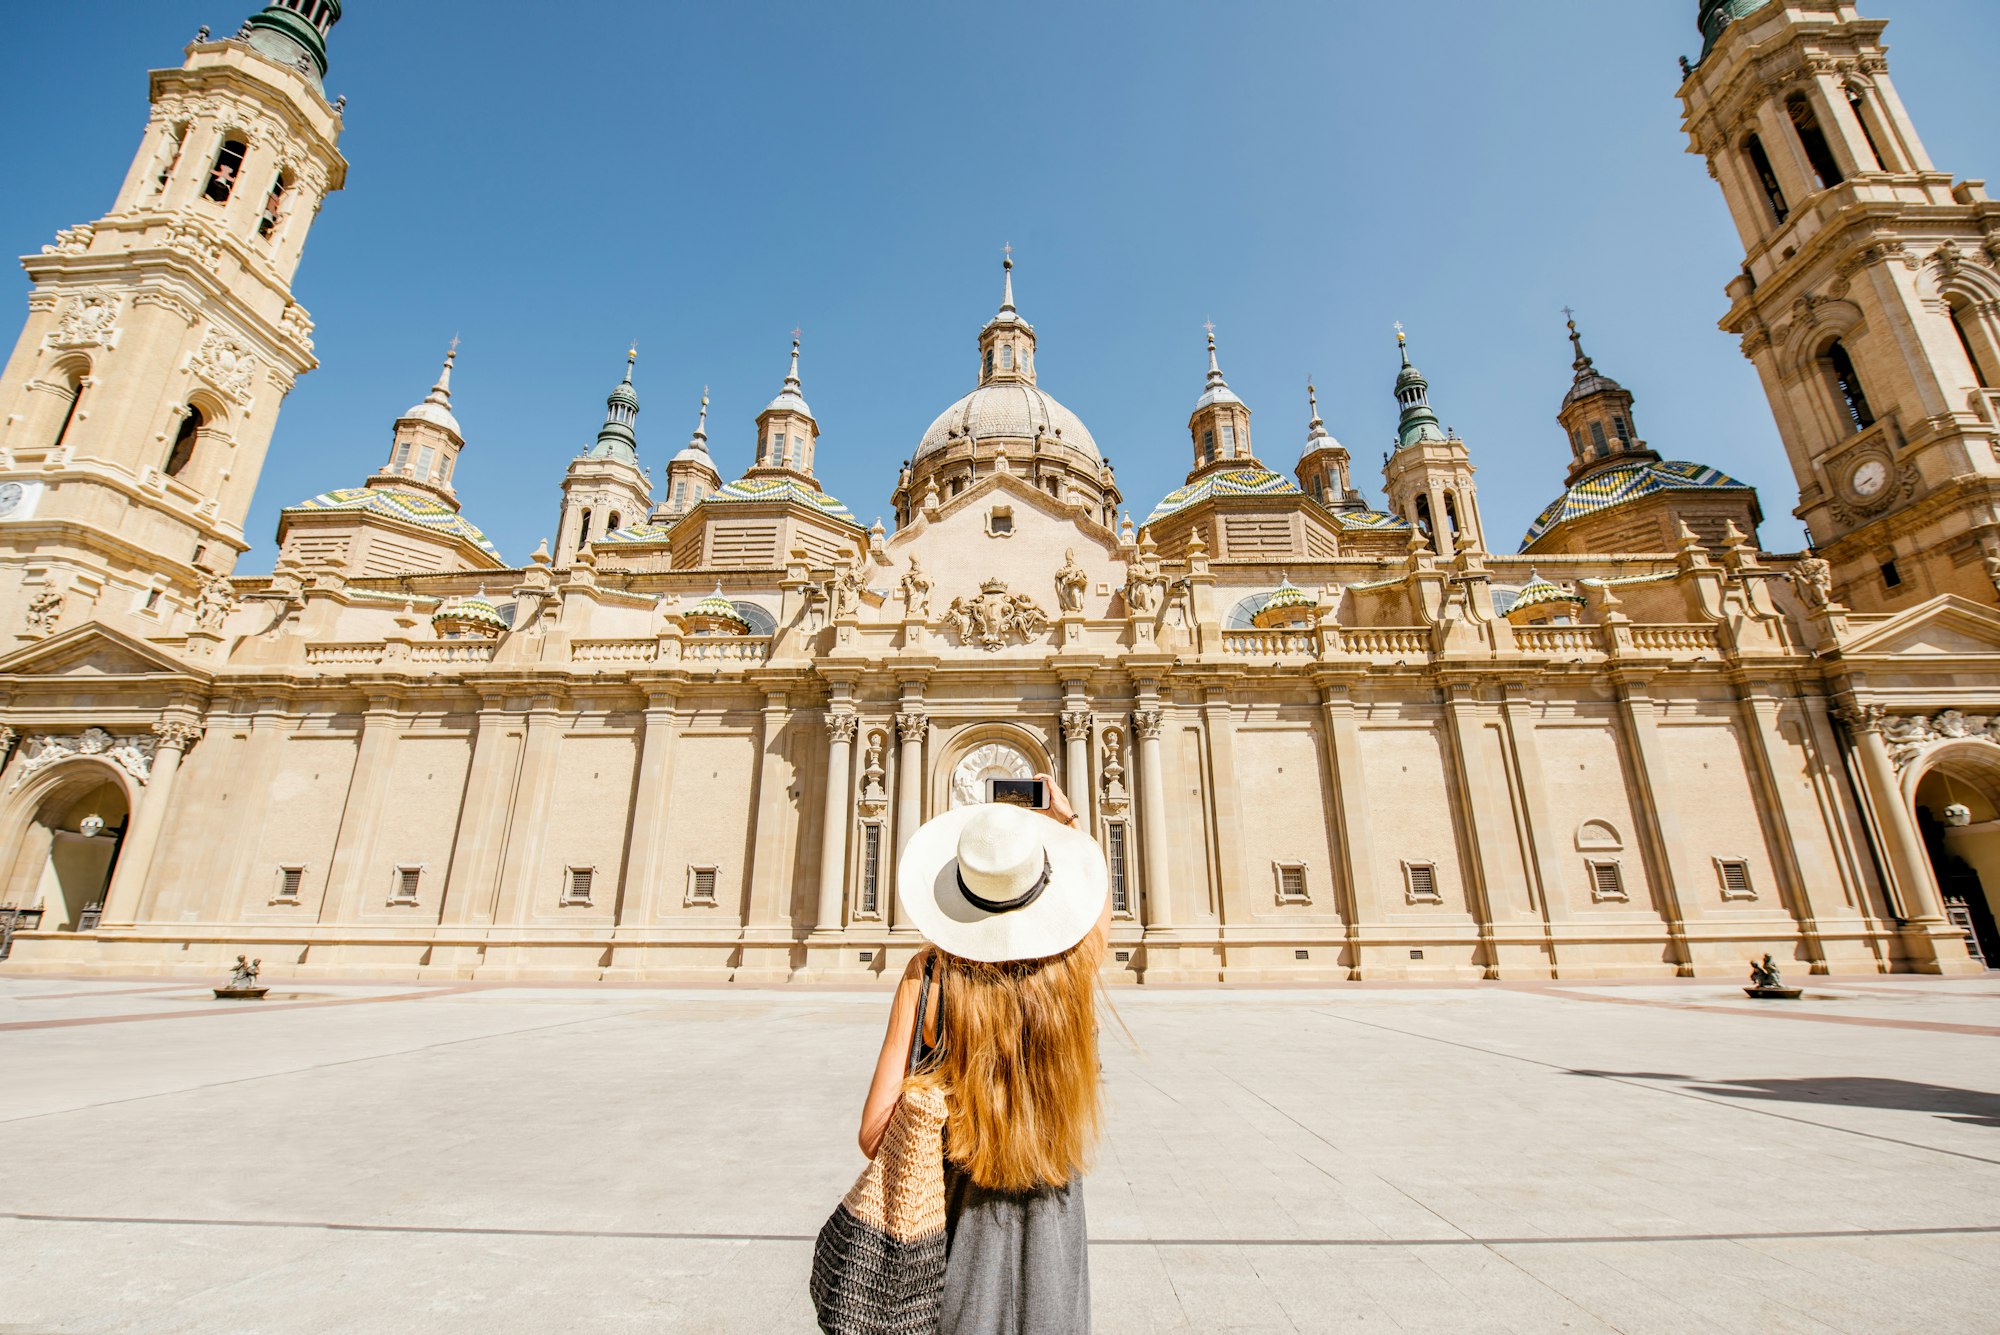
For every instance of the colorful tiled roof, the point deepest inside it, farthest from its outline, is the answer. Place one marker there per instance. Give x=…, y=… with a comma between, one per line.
x=1369, y=519
x=475, y=608
x=400, y=505
x=1230, y=482
x=1289, y=594
x=635, y=533
x=1628, y=482
x=1539, y=593
x=780, y=489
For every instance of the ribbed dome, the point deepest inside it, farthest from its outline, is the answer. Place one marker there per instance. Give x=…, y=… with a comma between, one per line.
x=430, y=410
x=1007, y=410
x=1591, y=382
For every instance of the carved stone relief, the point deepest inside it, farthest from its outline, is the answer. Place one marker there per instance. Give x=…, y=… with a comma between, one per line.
x=133, y=753
x=86, y=319
x=995, y=760
x=996, y=616
x=226, y=364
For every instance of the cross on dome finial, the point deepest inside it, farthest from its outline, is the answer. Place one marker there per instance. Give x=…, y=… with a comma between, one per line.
x=1582, y=362
x=1007, y=286
x=441, y=391
x=1312, y=401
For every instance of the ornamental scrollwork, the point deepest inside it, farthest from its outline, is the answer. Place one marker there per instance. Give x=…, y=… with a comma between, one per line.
x=71, y=240
x=995, y=616
x=1076, y=725
x=133, y=754
x=1910, y=736
x=226, y=364
x=176, y=736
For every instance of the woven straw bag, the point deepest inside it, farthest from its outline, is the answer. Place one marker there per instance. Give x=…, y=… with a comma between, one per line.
x=878, y=1266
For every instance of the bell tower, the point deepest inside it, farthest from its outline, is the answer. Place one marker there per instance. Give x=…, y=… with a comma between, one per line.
x=604, y=489
x=161, y=340
x=1869, y=299
x=1429, y=474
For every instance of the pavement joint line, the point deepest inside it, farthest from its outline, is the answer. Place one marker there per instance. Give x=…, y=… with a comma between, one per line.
x=1733, y=1105
x=1870, y=1021
x=101, y=992
x=318, y=1066
x=233, y=1008
x=665, y=1235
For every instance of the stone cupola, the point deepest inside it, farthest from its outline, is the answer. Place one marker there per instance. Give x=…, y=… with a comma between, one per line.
x=1219, y=426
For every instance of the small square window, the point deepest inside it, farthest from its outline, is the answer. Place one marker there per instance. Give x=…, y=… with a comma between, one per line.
x=1416, y=954
x=290, y=878
x=701, y=885
x=1734, y=874
x=1291, y=879
x=1302, y=954
x=1000, y=521
x=403, y=888
x=1420, y=883
x=577, y=884
x=1892, y=578
x=1122, y=956
x=1607, y=879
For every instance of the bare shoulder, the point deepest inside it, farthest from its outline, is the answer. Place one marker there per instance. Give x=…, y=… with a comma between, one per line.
x=915, y=968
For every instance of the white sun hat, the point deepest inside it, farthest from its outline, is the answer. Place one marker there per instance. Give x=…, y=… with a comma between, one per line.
x=996, y=882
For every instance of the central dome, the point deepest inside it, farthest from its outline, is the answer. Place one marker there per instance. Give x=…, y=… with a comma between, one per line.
x=1007, y=410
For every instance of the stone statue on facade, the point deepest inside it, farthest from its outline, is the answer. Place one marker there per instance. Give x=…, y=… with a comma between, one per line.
x=1812, y=580
x=847, y=586
x=45, y=611
x=1071, y=581
x=1144, y=586
x=216, y=601
x=916, y=587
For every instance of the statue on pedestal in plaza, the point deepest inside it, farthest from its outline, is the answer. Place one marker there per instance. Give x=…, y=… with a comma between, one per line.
x=1767, y=984
x=243, y=984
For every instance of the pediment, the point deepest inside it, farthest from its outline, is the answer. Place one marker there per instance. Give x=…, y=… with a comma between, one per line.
x=94, y=650
x=1946, y=626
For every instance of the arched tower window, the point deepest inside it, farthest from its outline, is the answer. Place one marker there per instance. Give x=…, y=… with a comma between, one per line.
x=1760, y=166
x=1451, y=515
x=1856, y=100
x=171, y=155
x=1599, y=446
x=274, y=206
x=1848, y=385
x=1420, y=515
x=614, y=525
x=182, y=452
x=1813, y=140
x=74, y=394
x=583, y=529
x=228, y=165
x=1961, y=313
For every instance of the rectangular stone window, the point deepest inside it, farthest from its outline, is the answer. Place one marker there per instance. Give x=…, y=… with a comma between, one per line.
x=1000, y=521
x=1607, y=879
x=870, y=902
x=403, y=887
x=1734, y=874
x=290, y=877
x=1228, y=439
x=1208, y=447
x=577, y=885
x=700, y=885
x=1420, y=883
x=1114, y=856
x=1291, y=879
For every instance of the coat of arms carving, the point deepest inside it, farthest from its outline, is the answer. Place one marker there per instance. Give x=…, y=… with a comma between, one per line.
x=995, y=616
x=227, y=364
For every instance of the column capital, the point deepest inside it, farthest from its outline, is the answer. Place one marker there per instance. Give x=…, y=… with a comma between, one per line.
x=911, y=725
x=176, y=735
x=1860, y=717
x=841, y=726
x=1076, y=725
x=1146, y=722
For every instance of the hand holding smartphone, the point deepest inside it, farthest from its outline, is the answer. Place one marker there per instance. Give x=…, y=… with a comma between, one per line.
x=1030, y=793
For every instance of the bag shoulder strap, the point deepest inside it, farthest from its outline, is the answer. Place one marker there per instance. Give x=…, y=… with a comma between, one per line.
x=920, y=1051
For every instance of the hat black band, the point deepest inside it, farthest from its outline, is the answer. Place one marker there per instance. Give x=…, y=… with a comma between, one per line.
x=1020, y=901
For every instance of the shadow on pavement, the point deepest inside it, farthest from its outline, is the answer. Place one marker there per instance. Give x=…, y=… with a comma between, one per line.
x=1971, y=1106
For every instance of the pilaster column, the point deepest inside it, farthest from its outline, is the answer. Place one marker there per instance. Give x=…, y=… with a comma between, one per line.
x=516, y=893
x=1220, y=720
x=1354, y=843
x=361, y=818
x=911, y=727
x=470, y=887
x=840, y=729
x=1655, y=811
x=1475, y=824
x=645, y=876
x=123, y=899
x=1076, y=765
x=1157, y=886
x=1902, y=847
x=1793, y=854
x=770, y=879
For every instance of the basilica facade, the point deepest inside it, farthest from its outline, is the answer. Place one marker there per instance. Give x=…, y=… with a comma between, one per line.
x=1320, y=736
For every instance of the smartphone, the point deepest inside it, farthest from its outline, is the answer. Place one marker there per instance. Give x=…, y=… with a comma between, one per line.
x=1032, y=793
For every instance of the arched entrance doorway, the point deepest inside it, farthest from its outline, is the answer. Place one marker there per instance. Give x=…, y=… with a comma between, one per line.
x=1958, y=814
x=71, y=824
x=982, y=752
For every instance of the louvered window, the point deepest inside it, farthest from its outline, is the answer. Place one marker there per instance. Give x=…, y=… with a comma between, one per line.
x=1114, y=854
x=701, y=885
x=1291, y=882
x=1607, y=879
x=1734, y=873
x=576, y=889
x=1422, y=882
x=871, y=871
x=404, y=889
x=289, y=880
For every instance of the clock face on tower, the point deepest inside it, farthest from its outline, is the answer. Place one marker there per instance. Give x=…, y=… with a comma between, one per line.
x=10, y=497
x=1869, y=477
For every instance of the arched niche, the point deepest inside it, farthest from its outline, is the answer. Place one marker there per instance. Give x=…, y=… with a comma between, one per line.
x=62, y=831
x=1954, y=793
x=982, y=750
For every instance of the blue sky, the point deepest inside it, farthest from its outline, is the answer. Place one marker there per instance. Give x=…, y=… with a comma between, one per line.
x=551, y=182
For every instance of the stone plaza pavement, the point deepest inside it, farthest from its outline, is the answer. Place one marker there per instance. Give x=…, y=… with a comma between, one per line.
x=1562, y=1157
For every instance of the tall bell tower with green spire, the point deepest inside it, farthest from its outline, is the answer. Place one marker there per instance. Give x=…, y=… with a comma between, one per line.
x=162, y=338
x=1869, y=297
x=1429, y=474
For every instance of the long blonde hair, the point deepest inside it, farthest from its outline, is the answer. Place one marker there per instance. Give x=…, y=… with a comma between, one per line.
x=1018, y=1066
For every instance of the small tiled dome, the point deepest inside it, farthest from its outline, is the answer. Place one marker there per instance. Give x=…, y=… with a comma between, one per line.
x=474, y=615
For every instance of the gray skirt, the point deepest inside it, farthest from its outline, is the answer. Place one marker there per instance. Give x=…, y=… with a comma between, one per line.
x=1016, y=1263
